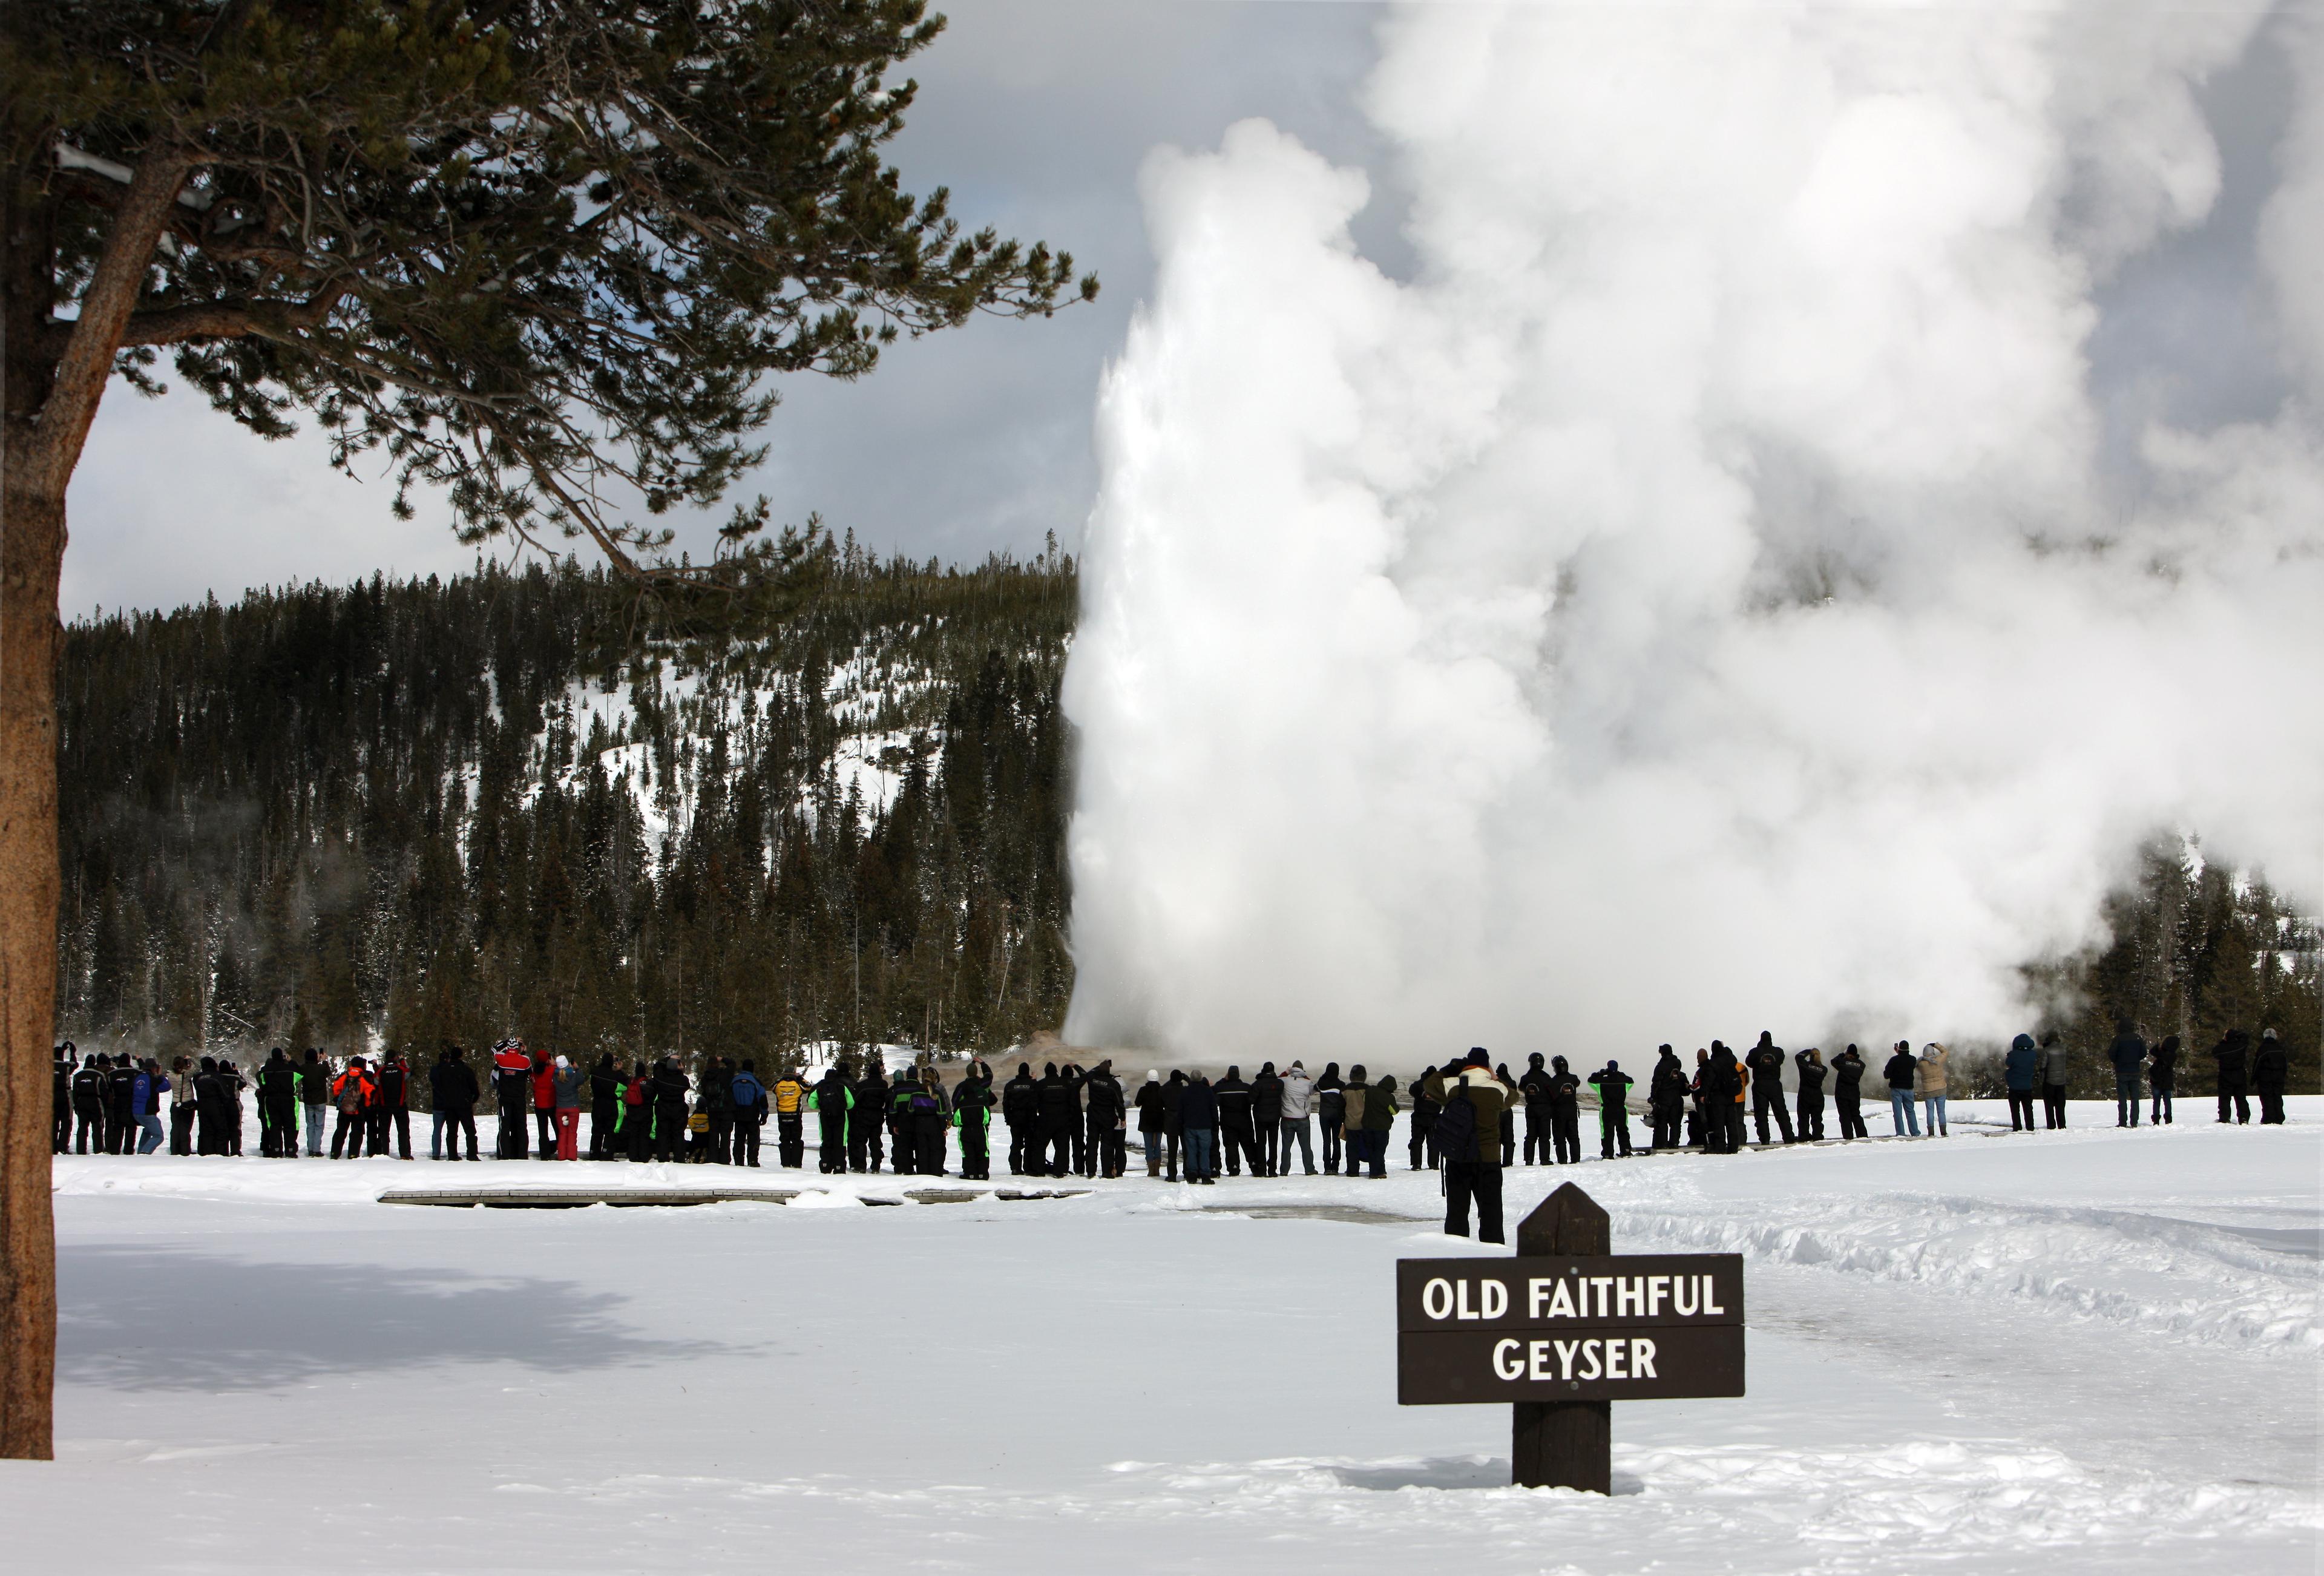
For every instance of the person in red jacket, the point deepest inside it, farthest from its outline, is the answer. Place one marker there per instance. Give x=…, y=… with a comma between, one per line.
x=544, y=1103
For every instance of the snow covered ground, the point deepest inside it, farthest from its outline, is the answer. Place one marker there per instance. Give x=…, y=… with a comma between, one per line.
x=2088, y=1351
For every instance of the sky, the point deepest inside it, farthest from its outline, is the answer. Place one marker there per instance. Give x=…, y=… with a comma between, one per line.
x=1039, y=116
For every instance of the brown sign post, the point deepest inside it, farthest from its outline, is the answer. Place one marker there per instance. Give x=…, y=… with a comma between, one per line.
x=1563, y=1330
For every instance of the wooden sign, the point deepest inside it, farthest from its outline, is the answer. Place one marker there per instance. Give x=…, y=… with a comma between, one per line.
x=1564, y=1330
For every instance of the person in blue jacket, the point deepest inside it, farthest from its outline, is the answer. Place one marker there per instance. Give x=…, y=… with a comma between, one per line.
x=750, y=1113
x=2019, y=1069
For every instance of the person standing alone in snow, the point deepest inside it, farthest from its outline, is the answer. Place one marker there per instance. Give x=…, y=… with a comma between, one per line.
x=1613, y=1087
x=1467, y=1133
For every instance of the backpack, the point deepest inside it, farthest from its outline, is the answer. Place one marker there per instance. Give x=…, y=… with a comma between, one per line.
x=351, y=1097
x=1455, y=1133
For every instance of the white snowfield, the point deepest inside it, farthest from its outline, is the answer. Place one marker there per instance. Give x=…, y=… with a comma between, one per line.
x=2093, y=1350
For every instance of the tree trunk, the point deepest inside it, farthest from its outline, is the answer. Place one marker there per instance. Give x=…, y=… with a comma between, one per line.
x=31, y=553
x=47, y=401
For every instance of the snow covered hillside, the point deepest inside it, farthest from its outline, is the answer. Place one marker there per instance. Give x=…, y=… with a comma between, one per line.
x=2094, y=1350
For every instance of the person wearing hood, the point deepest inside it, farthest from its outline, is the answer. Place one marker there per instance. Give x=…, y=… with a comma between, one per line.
x=1808, y=1067
x=1470, y=1099
x=1297, y=1102
x=1057, y=1108
x=1266, y=1120
x=1928, y=1084
x=1564, y=1112
x=1667, y=1090
x=831, y=1102
x=1767, y=1064
x=1198, y=1124
x=2019, y=1069
x=1020, y=1108
x=2233, y=1054
x=1332, y=1116
x=1848, y=1094
x=2161, y=1077
x=2128, y=1053
x=1900, y=1071
x=2271, y=1071
x=1236, y=1141
x=2054, y=1069
x=452, y=1096
x=864, y=1150
x=973, y=1100
x=568, y=1083
x=1533, y=1089
x=1152, y=1106
x=1613, y=1087
x=1108, y=1117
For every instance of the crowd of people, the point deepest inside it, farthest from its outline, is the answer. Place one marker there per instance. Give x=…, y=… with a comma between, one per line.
x=1072, y=1121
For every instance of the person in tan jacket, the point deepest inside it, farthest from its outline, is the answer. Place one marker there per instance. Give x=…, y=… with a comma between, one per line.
x=1928, y=1084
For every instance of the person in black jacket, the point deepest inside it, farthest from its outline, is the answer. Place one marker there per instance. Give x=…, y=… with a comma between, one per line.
x=716, y=1102
x=1267, y=1117
x=1059, y=1111
x=1332, y=1112
x=2233, y=1054
x=1074, y=1077
x=277, y=1105
x=452, y=1094
x=88, y=1106
x=833, y=1100
x=972, y=1100
x=1613, y=1087
x=2271, y=1070
x=872, y=1097
x=1848, y=1092
x=1810, y=1064
x=2128, y=1055
x=1422, y=1151
x=1020, y=1108
x=1237, y=1142
x=1198, y=1121
x=1508, y=1118
x=604, y=1106
x=1107, y=1114
x=120, y=1102
x=210, y=1100
x=2161, y=1077
x=1156, y=1103
x=1767, y=1064
x=61, y=1074
x=1898, y=1074
x=670, y=1090
x=1534, y=1088
x=393, y=1112
x=1666, y=1099
x=1564, y=1112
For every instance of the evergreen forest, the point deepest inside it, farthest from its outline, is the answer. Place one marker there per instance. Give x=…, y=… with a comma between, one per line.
x=530, y=801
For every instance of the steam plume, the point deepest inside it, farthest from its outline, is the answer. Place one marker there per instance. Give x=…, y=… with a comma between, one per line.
x=1694, y=603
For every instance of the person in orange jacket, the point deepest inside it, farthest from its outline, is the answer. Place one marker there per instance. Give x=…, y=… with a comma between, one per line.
x=353, y=1094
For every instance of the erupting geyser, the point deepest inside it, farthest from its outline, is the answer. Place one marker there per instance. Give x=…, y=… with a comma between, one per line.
x=1697, y=599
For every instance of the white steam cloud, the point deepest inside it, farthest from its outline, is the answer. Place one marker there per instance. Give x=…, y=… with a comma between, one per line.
x=1694, y=603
